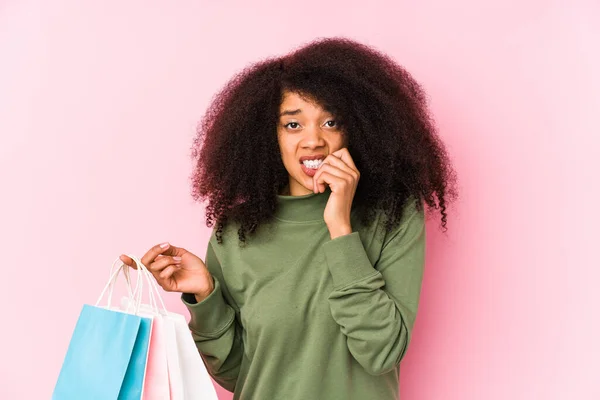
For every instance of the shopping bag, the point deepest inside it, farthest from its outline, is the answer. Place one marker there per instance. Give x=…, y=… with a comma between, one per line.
x=156, y=383
x=196, y=380
x=175, y=378
x=133, y=384
x=106, y=355
x=135, y=377
x=187, y=373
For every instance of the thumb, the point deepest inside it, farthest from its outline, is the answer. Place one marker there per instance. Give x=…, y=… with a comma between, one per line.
x=128, y=261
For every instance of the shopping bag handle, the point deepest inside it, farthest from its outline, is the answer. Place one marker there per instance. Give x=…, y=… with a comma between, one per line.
x=112, y=280
x=153, y=291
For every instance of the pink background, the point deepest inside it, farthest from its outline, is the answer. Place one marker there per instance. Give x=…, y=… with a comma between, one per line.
x=98, y=106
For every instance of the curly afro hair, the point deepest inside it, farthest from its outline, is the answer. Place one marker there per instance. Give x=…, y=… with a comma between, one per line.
x=379, y=106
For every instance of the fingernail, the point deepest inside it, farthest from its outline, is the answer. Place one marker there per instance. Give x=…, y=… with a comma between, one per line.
x=177, y=258
x=164, y=245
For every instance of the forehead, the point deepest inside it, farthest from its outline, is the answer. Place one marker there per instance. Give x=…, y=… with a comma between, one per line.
x=293, y=101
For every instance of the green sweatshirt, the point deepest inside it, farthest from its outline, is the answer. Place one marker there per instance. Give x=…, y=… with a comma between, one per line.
x=297, y=315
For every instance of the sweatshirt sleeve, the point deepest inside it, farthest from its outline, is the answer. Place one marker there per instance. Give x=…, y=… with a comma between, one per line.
x=216, y=327
x=376, y=306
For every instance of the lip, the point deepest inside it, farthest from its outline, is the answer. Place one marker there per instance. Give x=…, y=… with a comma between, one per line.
x=314, y=157
x=308, y=171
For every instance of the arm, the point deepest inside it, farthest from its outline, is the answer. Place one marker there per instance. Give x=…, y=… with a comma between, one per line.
x=216, y=328
x=376, y=306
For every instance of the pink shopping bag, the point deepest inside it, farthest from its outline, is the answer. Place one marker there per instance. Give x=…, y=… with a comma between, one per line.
x=156, y=384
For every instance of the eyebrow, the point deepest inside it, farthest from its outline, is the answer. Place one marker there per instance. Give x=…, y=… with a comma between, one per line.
x=290, y=112
x=298, y=111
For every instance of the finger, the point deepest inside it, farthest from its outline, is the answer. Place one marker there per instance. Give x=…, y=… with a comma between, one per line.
x=344, y=155
x=166, y=273
x=329, y=160
x=157, y=266
x=333, y=170
x=163, y=248
x=339, y=163
x=127, y=261
x=333, y=159
x=158, y=257
x=333, y=181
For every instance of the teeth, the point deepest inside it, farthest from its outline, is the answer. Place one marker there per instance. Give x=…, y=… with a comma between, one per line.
x=314, y=164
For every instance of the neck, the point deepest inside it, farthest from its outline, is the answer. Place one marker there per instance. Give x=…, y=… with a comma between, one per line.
x=294, y=190
x=285, y=191
x=302, y=208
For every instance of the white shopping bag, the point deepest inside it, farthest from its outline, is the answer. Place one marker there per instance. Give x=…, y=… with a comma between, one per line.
x=175, y=377
x=196, y=379
x=188, y=378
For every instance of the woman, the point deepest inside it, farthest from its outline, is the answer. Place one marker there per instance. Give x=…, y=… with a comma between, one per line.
x=315, y=166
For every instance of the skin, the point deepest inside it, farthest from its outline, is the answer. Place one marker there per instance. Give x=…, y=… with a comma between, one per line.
x=304, y=128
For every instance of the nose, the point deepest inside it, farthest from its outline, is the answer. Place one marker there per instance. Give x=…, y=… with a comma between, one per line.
x=313, y=137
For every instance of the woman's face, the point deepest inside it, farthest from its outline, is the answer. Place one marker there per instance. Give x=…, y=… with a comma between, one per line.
x=305, y=129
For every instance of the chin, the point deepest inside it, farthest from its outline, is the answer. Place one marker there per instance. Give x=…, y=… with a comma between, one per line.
x=306, y=183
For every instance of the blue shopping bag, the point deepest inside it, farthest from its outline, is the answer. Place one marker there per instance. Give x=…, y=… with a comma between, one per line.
x=106, y=357
x=136, y=370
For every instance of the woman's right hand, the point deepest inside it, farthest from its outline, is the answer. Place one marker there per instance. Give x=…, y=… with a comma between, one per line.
x=176, y=270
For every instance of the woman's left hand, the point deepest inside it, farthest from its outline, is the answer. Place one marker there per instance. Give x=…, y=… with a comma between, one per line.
x=339, y=172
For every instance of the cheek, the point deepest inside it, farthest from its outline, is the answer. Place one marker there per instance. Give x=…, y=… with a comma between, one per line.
x=287, y=154
x=343, y=140
x=337, y=144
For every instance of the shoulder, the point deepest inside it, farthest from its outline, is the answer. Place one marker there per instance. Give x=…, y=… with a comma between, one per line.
x=229, y=233
x=376, y=238
x=412, y=221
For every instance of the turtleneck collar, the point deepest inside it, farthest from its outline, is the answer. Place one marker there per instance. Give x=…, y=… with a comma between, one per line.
x=305, y=208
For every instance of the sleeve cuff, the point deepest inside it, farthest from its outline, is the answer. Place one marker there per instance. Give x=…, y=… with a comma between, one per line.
x=212, y=314
x=347, y=260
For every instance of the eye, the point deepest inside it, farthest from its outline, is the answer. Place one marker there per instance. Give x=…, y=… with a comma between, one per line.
x=331, y=120
x=290, y=123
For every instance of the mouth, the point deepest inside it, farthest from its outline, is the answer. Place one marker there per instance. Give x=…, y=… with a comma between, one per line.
x=312, y=164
